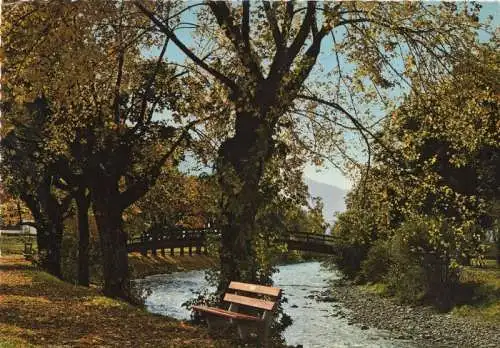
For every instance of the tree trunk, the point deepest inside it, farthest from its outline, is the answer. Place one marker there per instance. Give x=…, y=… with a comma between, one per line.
x=83, y=203
x=237, y=255
x=49, y=233
x=54, y=254
x=241, y=165
x=49, y=240
x=108, y=214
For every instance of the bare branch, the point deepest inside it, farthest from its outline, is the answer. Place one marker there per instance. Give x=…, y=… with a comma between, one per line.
x=226, y=22
x=301, y=36
x=273, y=24
x=245, y=23
x=170, y=34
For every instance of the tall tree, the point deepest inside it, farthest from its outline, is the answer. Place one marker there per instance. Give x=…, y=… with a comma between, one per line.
x=260, y=61
x=29, y=173
x=86, y=59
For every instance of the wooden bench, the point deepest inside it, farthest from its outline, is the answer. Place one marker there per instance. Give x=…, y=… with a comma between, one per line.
x=250, y=307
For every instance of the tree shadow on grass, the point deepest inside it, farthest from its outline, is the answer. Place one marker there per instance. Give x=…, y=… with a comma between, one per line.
x=15, y=267
x=55, y=314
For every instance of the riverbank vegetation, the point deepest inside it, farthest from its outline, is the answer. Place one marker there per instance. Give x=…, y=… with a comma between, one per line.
x=427, y=210
x=106, y=134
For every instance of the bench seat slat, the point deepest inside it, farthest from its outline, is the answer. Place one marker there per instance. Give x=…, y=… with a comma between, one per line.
x=223, y=313
x=250, y=302
x=256, y=289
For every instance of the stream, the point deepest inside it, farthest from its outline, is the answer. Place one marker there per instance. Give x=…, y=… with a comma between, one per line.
x=316, y=323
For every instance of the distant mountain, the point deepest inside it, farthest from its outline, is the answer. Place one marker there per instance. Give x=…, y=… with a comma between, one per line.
x=333, y=197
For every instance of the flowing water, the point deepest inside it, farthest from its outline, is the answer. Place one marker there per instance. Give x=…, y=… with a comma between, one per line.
x=315, y=323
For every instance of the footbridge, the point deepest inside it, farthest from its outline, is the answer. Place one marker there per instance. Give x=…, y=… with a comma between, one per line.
x=191, y=241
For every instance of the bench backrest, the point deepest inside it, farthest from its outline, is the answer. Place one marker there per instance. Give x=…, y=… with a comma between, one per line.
x=251, y=295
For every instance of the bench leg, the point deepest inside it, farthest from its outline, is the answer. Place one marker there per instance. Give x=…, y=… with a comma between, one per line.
x=264, y=329
x=264, y=336
x=216, y=323
x=242, y=331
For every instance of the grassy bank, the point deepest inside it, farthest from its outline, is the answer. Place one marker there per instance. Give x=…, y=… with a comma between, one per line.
x=37, y=309
x=478, y=293
x=141, y=266
x=483, y=285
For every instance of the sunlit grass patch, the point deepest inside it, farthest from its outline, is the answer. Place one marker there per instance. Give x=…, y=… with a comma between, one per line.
x=103, y=302
x=10, y=336
x=14, y=279
x=27, y=300
x=485, y=312
x=376, y=288
x=13, y=343
x=490, y=274
x=485, y=301
x=141, y=266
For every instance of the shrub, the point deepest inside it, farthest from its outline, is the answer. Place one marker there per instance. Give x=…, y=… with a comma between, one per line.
x=376, y=265
x=349, y=258
x=418, y=271
x=406, y=278
x=356, y=231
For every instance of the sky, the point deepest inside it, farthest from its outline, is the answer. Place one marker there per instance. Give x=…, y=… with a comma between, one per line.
x=328, y=174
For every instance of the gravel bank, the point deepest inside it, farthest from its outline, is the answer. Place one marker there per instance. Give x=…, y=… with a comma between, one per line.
x=421, y=325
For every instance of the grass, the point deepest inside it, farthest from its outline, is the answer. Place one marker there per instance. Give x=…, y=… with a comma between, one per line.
x=375, y=288
x=485, y=293
x=37, y=309
x=14, y=245
x=478, y=293
x=141, y=266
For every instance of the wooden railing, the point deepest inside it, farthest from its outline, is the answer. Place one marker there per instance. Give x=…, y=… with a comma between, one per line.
x=310, y=237
x=179, y=239
x=173, y=239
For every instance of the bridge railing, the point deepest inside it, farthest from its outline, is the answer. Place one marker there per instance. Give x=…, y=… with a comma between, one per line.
x=173, y=235
x=311, y=238
x=202, y=233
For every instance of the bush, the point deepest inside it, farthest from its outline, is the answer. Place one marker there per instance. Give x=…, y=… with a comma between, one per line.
x=417, y=271
x=349, y=258
x=406, y=278
x=355, y=231
x=376, y=265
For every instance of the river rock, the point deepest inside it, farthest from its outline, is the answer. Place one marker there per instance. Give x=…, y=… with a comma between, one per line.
x=328, y=299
